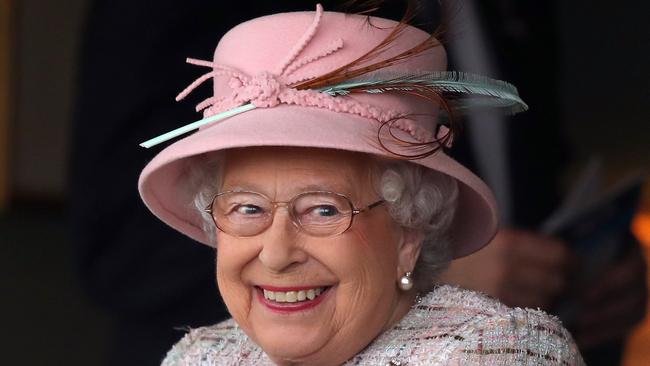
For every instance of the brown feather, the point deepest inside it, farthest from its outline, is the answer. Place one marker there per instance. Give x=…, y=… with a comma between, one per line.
x=353, y=70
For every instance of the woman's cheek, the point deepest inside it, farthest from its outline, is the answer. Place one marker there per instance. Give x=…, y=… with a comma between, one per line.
x=234, y=291
x=236, y=296
x=364, y=280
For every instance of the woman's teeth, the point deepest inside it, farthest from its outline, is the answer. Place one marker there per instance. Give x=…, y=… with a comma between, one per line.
x=293, y=296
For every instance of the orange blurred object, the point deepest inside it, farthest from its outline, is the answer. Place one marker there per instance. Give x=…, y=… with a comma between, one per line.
x=638, y=346
x=641, y=227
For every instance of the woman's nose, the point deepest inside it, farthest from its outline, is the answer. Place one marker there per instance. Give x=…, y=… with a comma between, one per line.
x=280, y=246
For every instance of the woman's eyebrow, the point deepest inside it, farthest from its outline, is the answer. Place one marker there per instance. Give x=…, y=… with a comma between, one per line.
x=338, y=188
x=328, y=187
x=242, y=186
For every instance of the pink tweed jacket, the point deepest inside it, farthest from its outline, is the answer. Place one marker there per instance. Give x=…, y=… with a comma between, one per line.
x=449, y=326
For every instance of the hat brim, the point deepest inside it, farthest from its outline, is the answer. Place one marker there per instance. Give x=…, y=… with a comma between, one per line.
x=474, y=224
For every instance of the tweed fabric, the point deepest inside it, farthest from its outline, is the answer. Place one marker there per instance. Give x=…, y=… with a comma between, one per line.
x=448, y=326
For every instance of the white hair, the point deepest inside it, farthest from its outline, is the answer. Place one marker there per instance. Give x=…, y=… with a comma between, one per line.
x=417, y=198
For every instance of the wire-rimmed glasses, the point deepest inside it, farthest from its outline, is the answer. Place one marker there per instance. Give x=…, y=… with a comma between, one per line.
x=316, y=213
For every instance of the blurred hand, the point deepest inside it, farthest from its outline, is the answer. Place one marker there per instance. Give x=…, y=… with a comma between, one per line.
x=519, y=268
x=614, y=303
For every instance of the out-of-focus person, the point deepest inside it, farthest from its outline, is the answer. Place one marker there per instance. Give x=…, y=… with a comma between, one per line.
x=523, y=160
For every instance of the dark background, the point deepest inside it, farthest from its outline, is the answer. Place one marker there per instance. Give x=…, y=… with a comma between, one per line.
x=603, y=91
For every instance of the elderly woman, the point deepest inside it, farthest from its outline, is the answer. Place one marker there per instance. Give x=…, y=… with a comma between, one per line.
x=318, y=174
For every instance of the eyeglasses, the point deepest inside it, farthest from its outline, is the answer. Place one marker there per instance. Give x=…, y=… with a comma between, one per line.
x=317, y=213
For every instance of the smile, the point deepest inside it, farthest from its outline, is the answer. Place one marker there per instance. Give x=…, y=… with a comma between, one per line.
x=287, y=300
x=293, y=296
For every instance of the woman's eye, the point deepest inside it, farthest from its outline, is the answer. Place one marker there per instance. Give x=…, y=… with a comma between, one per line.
x=248, y=210
x=325, y=211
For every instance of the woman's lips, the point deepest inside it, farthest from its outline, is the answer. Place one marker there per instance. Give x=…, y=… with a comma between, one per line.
x=291, y=299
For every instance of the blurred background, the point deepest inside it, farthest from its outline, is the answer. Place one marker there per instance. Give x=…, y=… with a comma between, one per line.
x=603, y=90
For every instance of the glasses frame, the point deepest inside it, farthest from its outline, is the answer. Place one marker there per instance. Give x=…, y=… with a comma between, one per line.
x=289, y=205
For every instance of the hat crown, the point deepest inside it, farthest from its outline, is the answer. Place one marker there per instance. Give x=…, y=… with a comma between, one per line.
x=260, y=61
x=302, y=45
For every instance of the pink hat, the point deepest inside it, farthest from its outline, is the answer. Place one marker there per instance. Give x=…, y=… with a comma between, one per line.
x=266, y=75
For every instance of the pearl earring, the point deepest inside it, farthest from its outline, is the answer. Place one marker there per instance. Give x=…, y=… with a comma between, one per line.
x=406, y=281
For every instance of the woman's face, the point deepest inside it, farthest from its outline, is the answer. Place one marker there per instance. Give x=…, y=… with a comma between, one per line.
x=357, y=271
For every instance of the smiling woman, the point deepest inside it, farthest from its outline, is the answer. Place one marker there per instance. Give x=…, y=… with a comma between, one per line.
x=318, y=174
x=283, y=259
x=295, y=293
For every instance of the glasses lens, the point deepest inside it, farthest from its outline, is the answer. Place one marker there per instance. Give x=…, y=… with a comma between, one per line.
x=322, y=213
x=242, y=213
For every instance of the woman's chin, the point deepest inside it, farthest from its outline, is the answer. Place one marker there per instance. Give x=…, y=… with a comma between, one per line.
x=292, y=331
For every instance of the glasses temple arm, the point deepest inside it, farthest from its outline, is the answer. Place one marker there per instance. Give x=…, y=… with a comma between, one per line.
x=369, y=207
x=373, y=205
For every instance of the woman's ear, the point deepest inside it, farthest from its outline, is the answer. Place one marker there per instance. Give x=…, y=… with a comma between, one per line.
x=408, y=251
